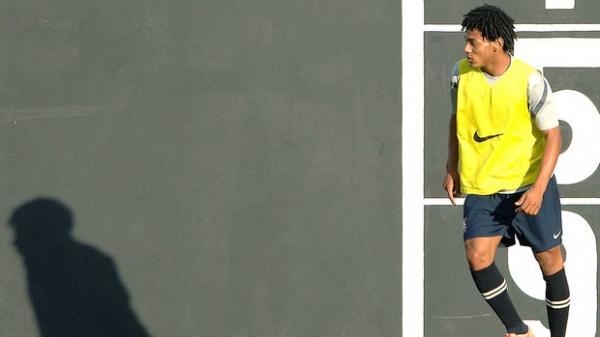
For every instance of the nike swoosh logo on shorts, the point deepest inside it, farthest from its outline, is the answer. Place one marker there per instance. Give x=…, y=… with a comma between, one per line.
x=555, y=236
x=483, y=139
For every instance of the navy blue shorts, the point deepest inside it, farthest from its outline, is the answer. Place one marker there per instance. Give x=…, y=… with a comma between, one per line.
x=495, y=215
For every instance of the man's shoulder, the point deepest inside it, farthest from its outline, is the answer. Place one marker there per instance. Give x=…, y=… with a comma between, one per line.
x=523, y=65
x=535, y=75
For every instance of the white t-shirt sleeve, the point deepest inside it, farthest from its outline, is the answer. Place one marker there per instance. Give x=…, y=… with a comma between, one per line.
x=454, y=88
x=540, y=104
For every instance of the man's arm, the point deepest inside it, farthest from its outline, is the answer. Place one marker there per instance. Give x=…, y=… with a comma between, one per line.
x=542, y=109
x=531, y=201
x=451, y=181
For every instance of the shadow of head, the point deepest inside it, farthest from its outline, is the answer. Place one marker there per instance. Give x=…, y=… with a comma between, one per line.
x=74, y=288
x=41, y=224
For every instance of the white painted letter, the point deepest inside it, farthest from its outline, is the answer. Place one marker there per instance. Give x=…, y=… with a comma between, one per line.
x=581, y=267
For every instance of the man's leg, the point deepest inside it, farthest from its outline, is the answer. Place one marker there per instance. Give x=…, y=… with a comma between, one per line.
x=557, y=290
x=481, y=252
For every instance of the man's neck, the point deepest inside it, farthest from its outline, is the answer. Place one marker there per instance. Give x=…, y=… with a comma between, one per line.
x=498, y=66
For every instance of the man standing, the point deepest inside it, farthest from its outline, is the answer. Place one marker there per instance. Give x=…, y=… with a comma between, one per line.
x=503, y=146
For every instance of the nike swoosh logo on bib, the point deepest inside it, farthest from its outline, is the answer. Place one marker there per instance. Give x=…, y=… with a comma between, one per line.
x=483, y=139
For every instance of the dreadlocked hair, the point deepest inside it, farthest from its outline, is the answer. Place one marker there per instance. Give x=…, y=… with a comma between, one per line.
x=493, y=23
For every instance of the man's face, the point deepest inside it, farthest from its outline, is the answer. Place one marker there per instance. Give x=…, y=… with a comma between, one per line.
x=479, y=51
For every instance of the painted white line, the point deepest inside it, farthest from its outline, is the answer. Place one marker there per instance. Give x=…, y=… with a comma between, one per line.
x=580, y=201
x=443, y=28
x=563, y=201
x=535, y=52
x=463, y=317
x=560, y=4
x=413, y=140
x=443, y=201
x=525, y=28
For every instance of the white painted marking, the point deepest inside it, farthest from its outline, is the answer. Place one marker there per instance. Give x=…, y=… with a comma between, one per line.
x=563, y=201
x=535, y=52
x=580, y=201
x=560, y=4
x=443, y=201
x=580, y=161
x=463, y=317
x=538, y=328
x=580, y=243
x=525, y=28
x=413, y=209
x=28, y=114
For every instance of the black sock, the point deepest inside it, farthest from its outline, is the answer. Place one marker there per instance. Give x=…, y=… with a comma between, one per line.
x=557, y=302
x=493, y=288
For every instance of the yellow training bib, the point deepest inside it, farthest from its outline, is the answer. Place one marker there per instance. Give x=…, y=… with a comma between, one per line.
x=500, y=147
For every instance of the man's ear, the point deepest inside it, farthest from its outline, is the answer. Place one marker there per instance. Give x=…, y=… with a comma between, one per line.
x=499, y=43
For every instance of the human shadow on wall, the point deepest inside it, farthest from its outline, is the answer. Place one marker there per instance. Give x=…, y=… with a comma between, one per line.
x=74, y=289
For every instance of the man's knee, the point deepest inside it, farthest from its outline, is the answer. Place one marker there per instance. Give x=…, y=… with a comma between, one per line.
x=481, y=252
x=550, y=261
x=479, y=258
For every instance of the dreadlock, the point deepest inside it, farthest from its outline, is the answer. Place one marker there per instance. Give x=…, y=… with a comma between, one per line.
x=492, y=23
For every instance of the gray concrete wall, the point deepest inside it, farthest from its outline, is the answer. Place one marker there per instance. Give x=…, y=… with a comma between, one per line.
x=238, y=161
x=233, y=169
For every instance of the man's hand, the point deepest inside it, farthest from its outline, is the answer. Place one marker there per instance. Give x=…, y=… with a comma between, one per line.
x=531, y=201
x=452, y=186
